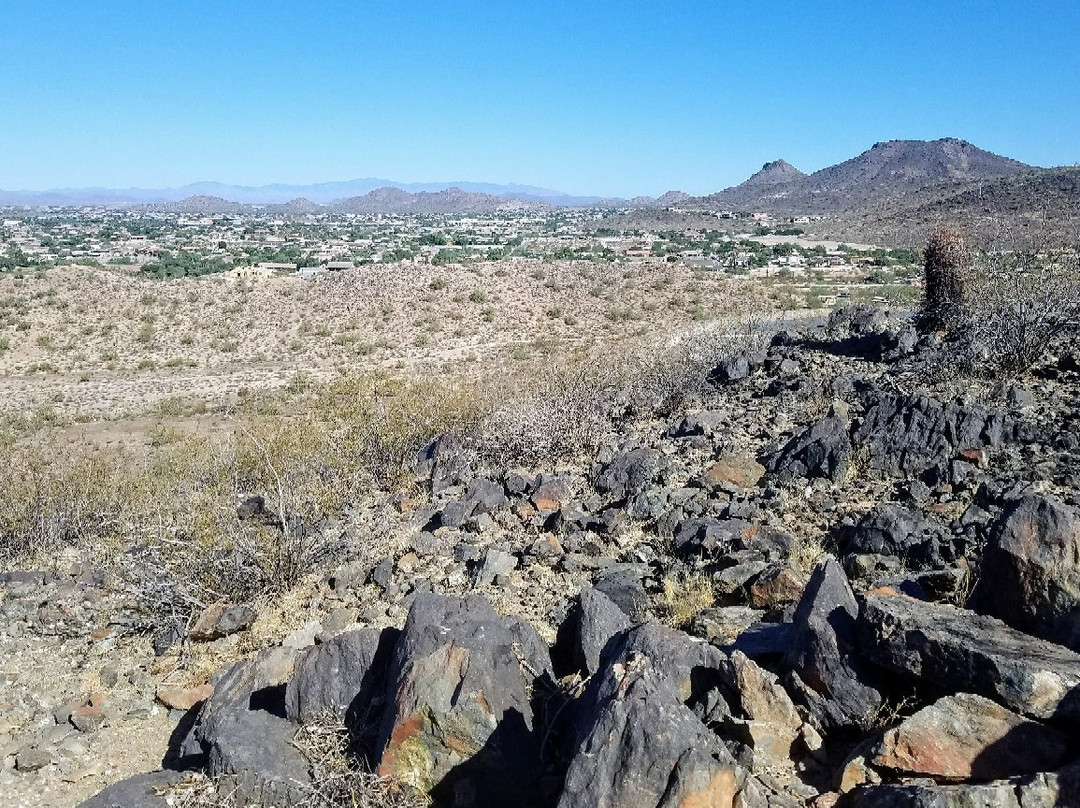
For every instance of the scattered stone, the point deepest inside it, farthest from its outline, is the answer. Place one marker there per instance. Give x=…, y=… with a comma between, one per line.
x=775, y=587
x=496, y=562
x=735, y=469
x=88, y=718
x=722, y=625
x=32, y=758
x=220, y=620
x=304, y=636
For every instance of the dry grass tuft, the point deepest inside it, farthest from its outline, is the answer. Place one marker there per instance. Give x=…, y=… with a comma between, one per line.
x=684, y=596
x=338, y=782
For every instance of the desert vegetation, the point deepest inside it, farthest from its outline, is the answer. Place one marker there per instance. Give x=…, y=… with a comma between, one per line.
x=258, y=472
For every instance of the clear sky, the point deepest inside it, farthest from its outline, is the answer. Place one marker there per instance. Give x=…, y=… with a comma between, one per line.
x=588, y=97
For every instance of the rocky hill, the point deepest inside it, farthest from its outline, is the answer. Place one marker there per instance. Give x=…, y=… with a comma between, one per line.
x=887, y=171
x=451, y=200
x=833, y=578
x=1037, y=207
x=204, y=204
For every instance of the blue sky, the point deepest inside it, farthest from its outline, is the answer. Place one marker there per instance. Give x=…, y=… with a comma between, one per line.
x=586, y=97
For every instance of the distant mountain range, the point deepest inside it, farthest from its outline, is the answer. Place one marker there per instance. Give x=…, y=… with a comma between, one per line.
x=322, y=193
x=892, y=190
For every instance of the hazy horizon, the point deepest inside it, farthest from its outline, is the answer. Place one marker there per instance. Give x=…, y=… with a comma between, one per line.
x=603, y=100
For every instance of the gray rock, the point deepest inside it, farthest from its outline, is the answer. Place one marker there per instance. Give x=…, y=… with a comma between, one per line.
x=140, y=791
x=592, y=625
x=622, y=583
x=256, y=684
x=222, y=619
x=1030, y=571
x=830, y=678
x=892, y=529
x=458, y=721
x=253, y=751
x=733, y=369
x=640, y=746
x=961, y=651
x=722, y=625
x=908, y=434
x=821, y=450
x=484, y=496
x=444, y=461
x=628, y=474
x=704, y=423
x=345, y=676
x=1046, y=790
x=496, y=562
x=733, y=580
x=968, y=737
x=32, y=758
x=304, y=636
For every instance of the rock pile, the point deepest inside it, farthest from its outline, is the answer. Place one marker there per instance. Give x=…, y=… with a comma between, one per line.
x=889, y=619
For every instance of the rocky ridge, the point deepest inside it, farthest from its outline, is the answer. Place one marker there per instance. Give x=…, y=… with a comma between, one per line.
x=891, y=572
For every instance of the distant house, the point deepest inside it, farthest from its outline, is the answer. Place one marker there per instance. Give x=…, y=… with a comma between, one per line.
x=337, y=266
x=310, y=272
x=266, y=269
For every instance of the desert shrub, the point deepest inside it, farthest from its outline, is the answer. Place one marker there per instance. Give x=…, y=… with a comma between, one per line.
x=56, y=496
x=560, y=411
x=1021, y=303
x=380, y=421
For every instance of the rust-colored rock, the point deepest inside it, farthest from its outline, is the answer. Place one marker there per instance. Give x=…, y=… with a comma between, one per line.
x=736, y=469
x=220, y=620
x=967, y=736
x=775, y=587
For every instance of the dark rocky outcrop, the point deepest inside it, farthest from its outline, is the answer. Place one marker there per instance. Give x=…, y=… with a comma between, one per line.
x=1030, y=572
x=820, y=450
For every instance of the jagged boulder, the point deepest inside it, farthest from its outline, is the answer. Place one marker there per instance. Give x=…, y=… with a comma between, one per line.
x=345, y=677
x=140, y=791
x=589, y=627
x=459, y=723
x=640, y=745
x=1045, y=790
x=829, y=677
x=628, y=473
x=821, y=450
x=1030, y=571
x=895, y=530
x=909, y=434
x=242, y=734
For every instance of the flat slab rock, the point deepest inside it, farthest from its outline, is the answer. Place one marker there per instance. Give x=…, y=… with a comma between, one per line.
x=962, y=651
x=1046, y=790
x=965, y=737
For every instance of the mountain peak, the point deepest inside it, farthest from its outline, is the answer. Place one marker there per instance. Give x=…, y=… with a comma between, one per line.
x=773, y=173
